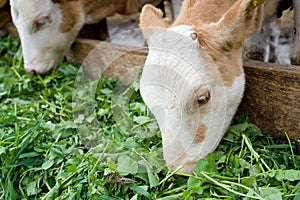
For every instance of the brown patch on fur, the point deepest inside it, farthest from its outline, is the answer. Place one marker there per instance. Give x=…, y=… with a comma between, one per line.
x=189, y=166
x=96, y=10
x=229, y=63
x=199, y=131
x=196, y=12
x=200, y=134
x=70, y=14
x=131, y=6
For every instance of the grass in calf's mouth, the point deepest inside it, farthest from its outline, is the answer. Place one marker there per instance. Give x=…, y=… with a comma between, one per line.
x=44, y=155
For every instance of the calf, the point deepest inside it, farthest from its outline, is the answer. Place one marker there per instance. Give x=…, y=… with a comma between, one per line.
x=47, y=28
x=193, y=78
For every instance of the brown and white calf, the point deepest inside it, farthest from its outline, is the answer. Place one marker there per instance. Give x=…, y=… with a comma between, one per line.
x=47, y=28
x=193, y=78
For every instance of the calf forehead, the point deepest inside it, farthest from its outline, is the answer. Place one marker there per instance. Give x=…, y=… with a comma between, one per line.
x=29, y=9
x=178, y=58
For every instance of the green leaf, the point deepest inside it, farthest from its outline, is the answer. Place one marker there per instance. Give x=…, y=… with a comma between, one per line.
x=249, y=181
x=29, y=155
x=207, y=164
x=11, y=192
x=195, y=185
x=172, y=197
x=270, y=193
x=140, y=119
x=72, y=168
x=127, y=165
x=201, y=166
x=2, y=150
x=140, y=191
x=31, y=189
x=292, y=175
x=48, y=164
x=211, y=159
x=152, y=179
x=104, y=197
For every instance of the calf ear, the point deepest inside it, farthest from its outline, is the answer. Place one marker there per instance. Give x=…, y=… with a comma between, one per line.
x=151, y=18
x=242, y=20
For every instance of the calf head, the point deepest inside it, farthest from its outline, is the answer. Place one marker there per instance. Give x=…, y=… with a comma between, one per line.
x=47, y=28
x=193, y=78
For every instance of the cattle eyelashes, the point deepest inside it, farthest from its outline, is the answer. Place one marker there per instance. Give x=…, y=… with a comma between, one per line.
x=203, y=99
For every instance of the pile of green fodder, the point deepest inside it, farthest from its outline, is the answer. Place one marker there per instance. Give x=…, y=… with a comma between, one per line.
x=51, y=149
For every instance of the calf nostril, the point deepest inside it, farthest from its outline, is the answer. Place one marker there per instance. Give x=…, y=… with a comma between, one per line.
x=30, y=71
x=33, y=72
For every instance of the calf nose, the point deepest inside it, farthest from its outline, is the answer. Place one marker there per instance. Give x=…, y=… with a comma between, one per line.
x=31, y=71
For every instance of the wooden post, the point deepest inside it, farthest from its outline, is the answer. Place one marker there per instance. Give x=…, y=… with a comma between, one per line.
x=272, y=98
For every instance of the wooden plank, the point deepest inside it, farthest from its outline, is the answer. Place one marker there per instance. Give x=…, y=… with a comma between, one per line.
x=129, y=59
x=271, y=99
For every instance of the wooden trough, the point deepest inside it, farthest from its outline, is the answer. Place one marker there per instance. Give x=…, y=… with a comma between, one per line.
x=272, y=96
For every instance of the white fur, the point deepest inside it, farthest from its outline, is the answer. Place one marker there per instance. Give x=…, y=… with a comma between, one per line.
x=176, y=66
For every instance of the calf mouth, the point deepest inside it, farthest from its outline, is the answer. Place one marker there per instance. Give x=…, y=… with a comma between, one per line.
x=36, y=73
x=35, y=70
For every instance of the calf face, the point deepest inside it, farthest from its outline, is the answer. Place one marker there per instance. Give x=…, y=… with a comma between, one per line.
x=193, y=79
x=47, y=28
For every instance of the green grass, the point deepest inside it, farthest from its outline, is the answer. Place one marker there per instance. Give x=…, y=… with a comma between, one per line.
x=51, y=149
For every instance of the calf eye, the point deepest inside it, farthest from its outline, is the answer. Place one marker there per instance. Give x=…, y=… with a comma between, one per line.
x=41, y=22
x=202, y=99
